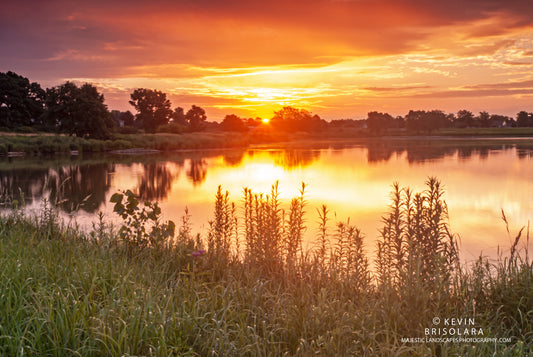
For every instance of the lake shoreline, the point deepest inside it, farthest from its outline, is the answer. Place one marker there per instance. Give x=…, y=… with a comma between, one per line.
x=12, y=144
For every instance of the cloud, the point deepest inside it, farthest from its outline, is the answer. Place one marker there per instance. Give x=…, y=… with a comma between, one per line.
x=307, y=52
x=485, y=90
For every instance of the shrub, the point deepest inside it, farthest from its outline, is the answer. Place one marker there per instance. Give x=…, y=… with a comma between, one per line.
x=172, y=128
x=141, y=227
x=127, y=129
x=25, y=130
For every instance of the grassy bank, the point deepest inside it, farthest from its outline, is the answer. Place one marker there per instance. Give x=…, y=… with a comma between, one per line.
x=46, y=144
x=248, y=288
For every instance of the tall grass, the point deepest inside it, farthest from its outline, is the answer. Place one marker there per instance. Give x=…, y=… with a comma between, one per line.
x=249, y=288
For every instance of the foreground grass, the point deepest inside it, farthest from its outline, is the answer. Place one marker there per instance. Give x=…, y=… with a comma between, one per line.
x=66, y=292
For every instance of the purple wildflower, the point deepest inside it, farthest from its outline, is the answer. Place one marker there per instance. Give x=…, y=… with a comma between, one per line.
x=198, y=253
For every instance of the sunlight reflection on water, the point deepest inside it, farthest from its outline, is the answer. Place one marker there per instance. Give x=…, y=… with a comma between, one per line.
x=354, y=179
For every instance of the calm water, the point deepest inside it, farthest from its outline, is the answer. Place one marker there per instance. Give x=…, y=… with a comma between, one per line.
x=481, y=177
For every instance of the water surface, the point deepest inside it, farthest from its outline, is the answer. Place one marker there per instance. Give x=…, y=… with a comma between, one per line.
x=482, y=177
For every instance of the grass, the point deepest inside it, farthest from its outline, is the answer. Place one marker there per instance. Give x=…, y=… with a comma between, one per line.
x=248, y=288
x=35, y=143
x=48, y=144
x=486, y=132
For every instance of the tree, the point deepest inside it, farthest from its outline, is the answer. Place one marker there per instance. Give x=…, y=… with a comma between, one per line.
x=80, y=111
x=376, y=122
x=498, y=121
x=420, y=120
x=122, y=118
x=233, y=123
x=127, y=118
x=152, y=106
x=21, y=102
x=292, y=120
x=195, y=118
x=483, y=119
x=524, y=119
x=178, y=116
x=464, y=119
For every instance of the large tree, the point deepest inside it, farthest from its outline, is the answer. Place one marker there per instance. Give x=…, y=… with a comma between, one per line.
x=178, y=116
x=464, y=119
x=78, y=110
x=524, y=119
x=293, y=119
x=232, y=122
x=196, y=117
x=21, y=102
x=420, y=120
x=377, y=122
x=152, y=106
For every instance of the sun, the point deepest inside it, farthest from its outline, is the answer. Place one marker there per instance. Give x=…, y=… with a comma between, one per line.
x=265, y=121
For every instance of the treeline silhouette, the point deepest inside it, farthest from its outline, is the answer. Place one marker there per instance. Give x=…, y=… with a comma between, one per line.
x=81, y=111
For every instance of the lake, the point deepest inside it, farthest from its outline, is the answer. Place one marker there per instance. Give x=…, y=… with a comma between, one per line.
x=481, y=177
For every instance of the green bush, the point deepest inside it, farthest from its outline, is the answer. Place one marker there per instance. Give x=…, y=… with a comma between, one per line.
x=75, y=146
x=141, y=227
x=25, y=130
x=172, y=128
x=127, y=129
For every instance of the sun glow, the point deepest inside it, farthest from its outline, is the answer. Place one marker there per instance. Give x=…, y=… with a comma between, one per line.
x=265, y=120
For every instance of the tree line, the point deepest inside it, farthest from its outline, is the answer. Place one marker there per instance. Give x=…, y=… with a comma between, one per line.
x=80, y=110
x=427, y=121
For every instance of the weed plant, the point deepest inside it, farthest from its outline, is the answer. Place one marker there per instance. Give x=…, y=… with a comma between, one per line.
x=249, y=289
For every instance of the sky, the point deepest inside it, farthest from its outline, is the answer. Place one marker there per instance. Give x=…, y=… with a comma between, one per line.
x=335, y=58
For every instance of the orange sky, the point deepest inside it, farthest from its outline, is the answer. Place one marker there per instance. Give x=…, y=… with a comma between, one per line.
x=336, y=58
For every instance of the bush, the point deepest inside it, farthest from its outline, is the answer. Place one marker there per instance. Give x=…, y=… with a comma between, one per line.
x=74, y=146
x=127, y=129
x=25, y=130
x=141, y=227
x=172, y=128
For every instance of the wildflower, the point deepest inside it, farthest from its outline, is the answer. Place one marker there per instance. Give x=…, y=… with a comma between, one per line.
x=198, y=253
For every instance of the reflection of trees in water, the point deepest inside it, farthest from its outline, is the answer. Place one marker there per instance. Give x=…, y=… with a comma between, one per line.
x=23, y=180
x=381, y=151
x=294, y=158
x=197, y=171
x=233, y=159
x=79, y=186
x=156, y=182
x=427, y=152
x=419, y=152
x=524, y=153
x=70, y=187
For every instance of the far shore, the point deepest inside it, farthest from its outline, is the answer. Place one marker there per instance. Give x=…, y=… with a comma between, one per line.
x=20, y=144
